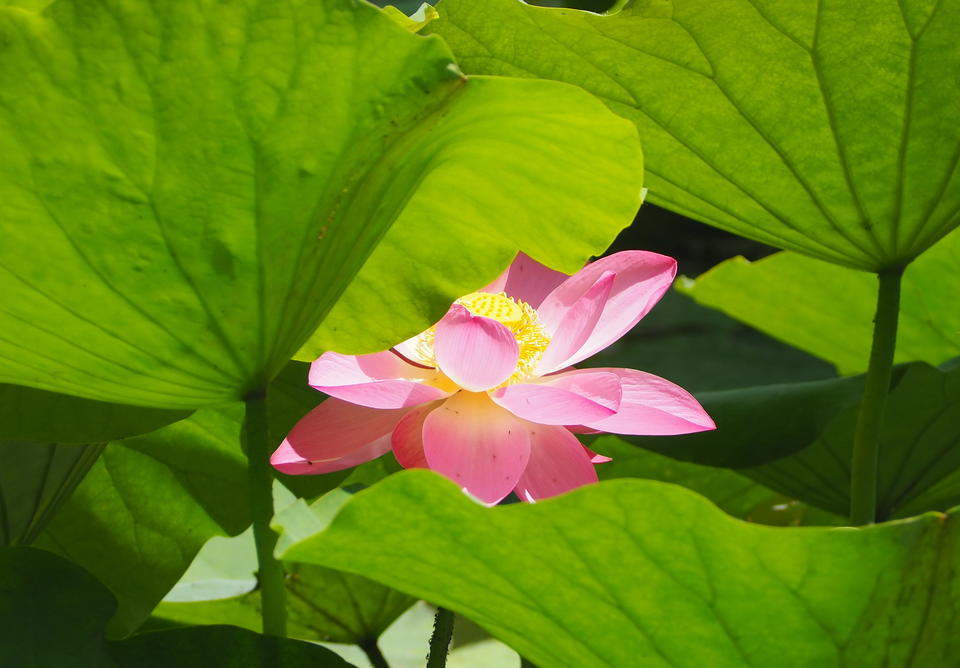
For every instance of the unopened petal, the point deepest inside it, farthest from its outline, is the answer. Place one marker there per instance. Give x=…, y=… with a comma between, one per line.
x=475, y=352
x=477, y=444
x=595, y=457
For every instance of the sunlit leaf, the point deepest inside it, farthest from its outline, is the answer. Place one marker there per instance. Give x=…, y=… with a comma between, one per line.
x=817, y=126
x=188, y=191
x=828, y=310
x=415, y=21
x=653, y=574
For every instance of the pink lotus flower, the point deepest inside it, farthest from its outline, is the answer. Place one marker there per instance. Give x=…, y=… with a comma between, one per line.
x=488, y=397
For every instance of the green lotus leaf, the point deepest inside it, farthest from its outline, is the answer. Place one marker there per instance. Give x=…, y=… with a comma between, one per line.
x=824, y=127
x=653, y=574
x=189, y=190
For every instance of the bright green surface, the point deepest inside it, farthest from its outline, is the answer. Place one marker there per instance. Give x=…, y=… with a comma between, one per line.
x=823, y=126
x=643, y=573
x=188, y=192
x=33, y=582
x=828, y=310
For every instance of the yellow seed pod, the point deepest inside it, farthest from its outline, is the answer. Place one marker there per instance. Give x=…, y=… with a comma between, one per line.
x=496, y=306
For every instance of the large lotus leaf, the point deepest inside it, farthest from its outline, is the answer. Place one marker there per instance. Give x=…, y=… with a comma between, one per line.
x=189, y=188
x=48, y=442
x=629, y=573
x=828, y=310
x=919, y=452
x=822, y=126
x=53, y=613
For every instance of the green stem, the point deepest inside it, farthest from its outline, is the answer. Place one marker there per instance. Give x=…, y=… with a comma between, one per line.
x=256, y=444
x=440, y=640
x=374, y=655
x=866, y=440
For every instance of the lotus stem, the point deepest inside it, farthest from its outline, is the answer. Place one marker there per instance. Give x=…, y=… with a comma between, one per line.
x=374, y=655
x=866, y=439
x=256, y=444
x=440, y=640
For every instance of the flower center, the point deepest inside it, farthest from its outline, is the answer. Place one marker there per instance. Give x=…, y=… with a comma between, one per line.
x=517, y=316
x=496, y=306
